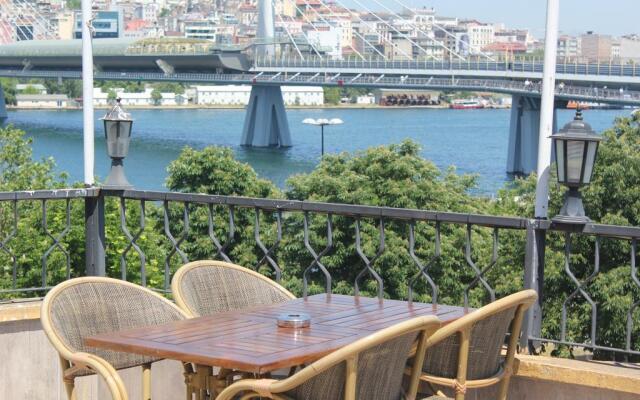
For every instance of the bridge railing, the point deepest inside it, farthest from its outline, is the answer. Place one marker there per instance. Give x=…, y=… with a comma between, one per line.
x=47, y=237
x=530, y=88
x=476, y=64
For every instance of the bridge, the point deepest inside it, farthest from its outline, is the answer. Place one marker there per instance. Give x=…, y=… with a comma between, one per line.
x=266, y=69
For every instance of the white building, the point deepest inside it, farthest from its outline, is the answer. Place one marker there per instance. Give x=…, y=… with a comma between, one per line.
x=143, y=99
x=480, y=36
x=328, y=39
x=200, y=29
x=367, y=99
x=234, y=95
x=40, y=88
x=42, y=100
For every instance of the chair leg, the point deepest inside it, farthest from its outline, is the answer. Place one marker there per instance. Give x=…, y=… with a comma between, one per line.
x=146, y=382
x=69, y=383
x=71, y=389
x=503, y=388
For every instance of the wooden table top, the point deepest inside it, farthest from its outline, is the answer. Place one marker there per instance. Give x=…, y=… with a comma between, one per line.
x=250, y=340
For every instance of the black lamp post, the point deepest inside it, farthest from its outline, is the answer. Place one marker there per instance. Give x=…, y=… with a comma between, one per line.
x=117, y=132
x=576, y=148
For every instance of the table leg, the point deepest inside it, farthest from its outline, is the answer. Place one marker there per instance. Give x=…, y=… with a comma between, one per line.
x=188, y=380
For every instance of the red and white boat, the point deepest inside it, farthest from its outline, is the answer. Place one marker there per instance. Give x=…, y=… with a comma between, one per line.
x=466, y=104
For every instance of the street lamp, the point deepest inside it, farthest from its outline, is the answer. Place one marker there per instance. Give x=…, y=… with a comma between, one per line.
x=322, y=122
x=117, y=132
x=576, y=148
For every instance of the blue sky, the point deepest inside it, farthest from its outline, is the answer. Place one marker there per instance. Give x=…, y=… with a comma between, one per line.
x=614, y=17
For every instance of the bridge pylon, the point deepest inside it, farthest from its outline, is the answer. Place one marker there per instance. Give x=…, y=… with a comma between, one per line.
x=265, y=124
x=522, y=156
x=3, y=106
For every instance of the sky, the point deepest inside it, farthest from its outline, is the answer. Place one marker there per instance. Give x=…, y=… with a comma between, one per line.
x=615, y=17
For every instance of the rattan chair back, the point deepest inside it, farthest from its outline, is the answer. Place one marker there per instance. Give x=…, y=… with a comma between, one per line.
x=369, y=369
x=468, y=352
x=83, y=307
x=208, y=287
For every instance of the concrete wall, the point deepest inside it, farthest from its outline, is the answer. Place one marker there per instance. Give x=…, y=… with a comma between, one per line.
x=30, y=370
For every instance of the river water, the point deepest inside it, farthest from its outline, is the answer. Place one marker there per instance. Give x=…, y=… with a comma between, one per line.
x=475, y=141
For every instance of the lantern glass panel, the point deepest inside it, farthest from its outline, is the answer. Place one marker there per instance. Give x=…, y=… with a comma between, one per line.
x=592, y=149
x=117, y=134
x=575, y=156
x=560, y=164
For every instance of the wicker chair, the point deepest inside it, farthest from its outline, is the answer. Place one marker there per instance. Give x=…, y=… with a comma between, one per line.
x=467, y=352
x=83, y=307
x=208, y=287
x=369, y=369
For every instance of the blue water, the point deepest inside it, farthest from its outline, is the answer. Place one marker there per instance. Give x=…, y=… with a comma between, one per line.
x=475, y=141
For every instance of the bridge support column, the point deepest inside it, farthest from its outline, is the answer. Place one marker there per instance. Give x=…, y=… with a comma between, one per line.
x=523, y=135
x=265, y=124
x=3, y=106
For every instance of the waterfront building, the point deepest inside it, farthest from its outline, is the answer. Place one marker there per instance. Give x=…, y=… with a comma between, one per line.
x=142, y=99
x=63, y=21
x=42, y=101
x=595, y=46
x=200, y=28
x=569, y=47
x=328, y=38
x=630, y=48
x=366, y=99
x=480, y=36
x=107, y=24
x=238, y=95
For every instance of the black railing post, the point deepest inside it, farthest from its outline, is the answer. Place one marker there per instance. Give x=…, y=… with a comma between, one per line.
x=534, y=279
x=94, y=235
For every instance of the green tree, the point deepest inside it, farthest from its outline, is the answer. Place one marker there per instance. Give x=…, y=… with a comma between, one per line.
x=9, y=88
x=111, y=95
x=169, y=87
x=72, y=88
x=31, y=90
x=331, y=95
x=156, y=97
x=393, y=176
x=134, y=87
x=22, y=225
x=214, y=170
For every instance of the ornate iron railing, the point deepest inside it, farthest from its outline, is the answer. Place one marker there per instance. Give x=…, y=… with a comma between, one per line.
x=50, y=236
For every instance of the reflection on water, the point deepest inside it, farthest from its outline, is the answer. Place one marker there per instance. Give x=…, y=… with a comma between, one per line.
x=475, y=141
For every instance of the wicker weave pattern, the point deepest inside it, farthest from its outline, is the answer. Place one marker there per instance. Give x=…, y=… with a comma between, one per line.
x=209, y=289
x=487, y=338
x=93, y=308
x=380, y=371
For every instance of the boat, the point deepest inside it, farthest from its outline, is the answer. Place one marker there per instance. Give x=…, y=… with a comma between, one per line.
x=466, y=104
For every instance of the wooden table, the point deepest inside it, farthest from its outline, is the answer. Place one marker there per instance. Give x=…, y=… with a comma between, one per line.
x=249, y=340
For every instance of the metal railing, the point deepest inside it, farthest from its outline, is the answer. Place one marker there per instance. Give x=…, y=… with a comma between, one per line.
x=608, y=68
x=50, y=236
x=530, y=89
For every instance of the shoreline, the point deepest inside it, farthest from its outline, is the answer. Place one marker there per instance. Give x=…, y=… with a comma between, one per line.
x=234, y=107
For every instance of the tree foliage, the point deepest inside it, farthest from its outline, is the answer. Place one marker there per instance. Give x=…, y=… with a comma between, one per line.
x=332, y=95
x=9, y=89
x=390, y=176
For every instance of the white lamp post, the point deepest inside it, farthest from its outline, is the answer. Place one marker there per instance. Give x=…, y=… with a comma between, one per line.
x=322, y=122
x=87, y=92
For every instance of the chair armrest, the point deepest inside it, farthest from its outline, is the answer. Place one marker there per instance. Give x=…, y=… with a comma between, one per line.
x=85, y=361
x=262, y=387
